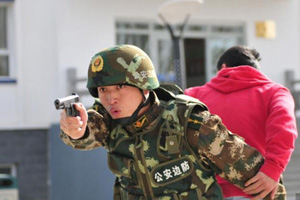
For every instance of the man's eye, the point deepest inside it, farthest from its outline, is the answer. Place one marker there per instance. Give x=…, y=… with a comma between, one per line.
x=101, y=89
x=121, y=86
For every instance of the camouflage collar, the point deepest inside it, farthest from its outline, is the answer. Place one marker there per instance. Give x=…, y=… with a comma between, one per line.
x=148, y=117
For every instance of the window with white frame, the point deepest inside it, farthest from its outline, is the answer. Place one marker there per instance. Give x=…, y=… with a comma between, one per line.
x=3, y=42
x=210, y=40
x=6, y=22
x=8, y=168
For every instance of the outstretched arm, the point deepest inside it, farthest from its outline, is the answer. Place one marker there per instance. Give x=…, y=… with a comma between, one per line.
x=89, y=131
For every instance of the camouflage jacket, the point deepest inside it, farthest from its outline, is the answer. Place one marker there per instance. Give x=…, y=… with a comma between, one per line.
x=171, y=152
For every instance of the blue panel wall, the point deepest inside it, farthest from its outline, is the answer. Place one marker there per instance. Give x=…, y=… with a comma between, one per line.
x=77, y=174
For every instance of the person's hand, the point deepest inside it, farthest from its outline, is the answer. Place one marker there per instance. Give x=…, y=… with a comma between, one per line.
x=261, y=185
x=74, y=126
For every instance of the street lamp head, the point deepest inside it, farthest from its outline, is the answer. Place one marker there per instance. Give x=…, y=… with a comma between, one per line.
x=176, y=11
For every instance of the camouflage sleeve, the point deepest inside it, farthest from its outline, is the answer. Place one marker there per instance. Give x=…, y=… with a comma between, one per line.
x=225, y=152
x=96, y=131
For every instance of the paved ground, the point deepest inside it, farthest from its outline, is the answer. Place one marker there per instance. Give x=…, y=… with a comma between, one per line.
x=291, y=176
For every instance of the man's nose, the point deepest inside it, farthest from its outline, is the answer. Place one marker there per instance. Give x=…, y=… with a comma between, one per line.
x=112, y=98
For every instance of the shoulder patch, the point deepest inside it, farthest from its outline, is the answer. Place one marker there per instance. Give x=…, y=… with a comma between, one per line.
x=195, y=122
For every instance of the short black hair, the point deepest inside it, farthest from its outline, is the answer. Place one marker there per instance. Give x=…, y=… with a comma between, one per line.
x=239, y=55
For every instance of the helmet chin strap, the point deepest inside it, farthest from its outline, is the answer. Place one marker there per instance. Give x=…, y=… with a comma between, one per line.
x=129, y=120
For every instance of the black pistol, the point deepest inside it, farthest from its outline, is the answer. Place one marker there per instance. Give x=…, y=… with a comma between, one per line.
x=68, y=103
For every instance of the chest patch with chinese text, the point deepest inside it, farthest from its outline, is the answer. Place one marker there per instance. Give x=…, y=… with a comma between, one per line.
x=172, y=171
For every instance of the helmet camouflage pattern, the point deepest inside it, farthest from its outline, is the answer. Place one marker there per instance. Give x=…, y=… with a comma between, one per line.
x=122, y=64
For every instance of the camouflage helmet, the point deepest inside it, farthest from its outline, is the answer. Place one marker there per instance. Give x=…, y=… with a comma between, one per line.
x=122, y=64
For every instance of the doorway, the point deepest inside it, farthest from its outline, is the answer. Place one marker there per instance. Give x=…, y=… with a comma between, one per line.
x=194, y=51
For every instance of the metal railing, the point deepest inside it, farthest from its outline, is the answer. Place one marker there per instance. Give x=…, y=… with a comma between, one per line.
x=74, y=83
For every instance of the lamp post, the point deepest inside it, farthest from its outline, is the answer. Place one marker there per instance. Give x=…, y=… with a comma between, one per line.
x=178, y=12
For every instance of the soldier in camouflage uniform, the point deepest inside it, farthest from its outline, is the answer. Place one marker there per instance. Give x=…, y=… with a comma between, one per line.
x=160, y=145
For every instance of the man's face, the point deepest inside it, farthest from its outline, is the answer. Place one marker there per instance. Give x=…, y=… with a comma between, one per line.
x=120, y=100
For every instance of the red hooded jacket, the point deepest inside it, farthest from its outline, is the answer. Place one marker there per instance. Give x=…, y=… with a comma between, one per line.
x=259, y=110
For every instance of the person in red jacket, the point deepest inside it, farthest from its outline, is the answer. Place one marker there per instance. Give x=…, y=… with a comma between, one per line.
x=256, y=108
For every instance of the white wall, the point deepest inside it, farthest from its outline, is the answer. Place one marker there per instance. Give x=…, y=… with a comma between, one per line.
x=26, y=103
x=52, y=35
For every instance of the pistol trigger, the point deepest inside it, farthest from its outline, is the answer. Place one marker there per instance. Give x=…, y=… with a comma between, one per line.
x=75, y=112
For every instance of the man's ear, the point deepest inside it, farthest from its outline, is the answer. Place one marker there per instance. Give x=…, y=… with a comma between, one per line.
x=223, y=66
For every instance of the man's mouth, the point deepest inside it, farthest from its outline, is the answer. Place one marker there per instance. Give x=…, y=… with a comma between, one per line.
x=114, y=112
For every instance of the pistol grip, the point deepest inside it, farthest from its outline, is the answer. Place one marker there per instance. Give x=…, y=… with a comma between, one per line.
x=71, y=111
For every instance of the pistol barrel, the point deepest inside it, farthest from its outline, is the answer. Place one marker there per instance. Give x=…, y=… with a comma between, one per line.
x=66, y=101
